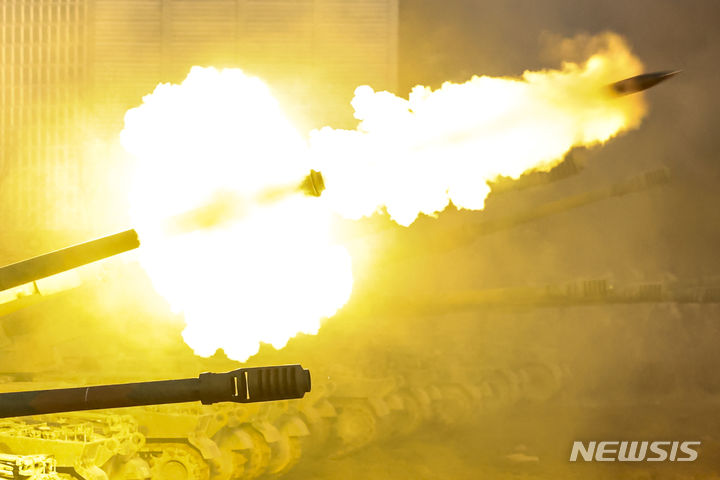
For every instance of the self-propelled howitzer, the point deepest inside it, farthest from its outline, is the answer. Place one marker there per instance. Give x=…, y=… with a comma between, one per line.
x=25, y=281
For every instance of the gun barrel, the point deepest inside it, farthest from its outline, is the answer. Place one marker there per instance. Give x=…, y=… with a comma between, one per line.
x=244, y=385
x=68, y=258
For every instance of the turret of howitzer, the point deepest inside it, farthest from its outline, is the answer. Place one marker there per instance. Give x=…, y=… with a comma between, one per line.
x=244, y=385
x=469, y=232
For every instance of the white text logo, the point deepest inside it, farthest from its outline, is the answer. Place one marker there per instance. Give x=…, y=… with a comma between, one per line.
x=625, y=451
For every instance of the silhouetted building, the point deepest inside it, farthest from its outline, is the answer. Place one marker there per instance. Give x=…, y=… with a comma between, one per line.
x=71, y=68
x=43, y=75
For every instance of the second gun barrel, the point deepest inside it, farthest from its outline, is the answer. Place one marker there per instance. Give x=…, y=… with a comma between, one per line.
x=66, y=259
x=244, y=385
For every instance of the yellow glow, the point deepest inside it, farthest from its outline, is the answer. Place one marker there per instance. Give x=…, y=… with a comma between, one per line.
x=415, y=156
x=261, y=276
x=245, y=269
